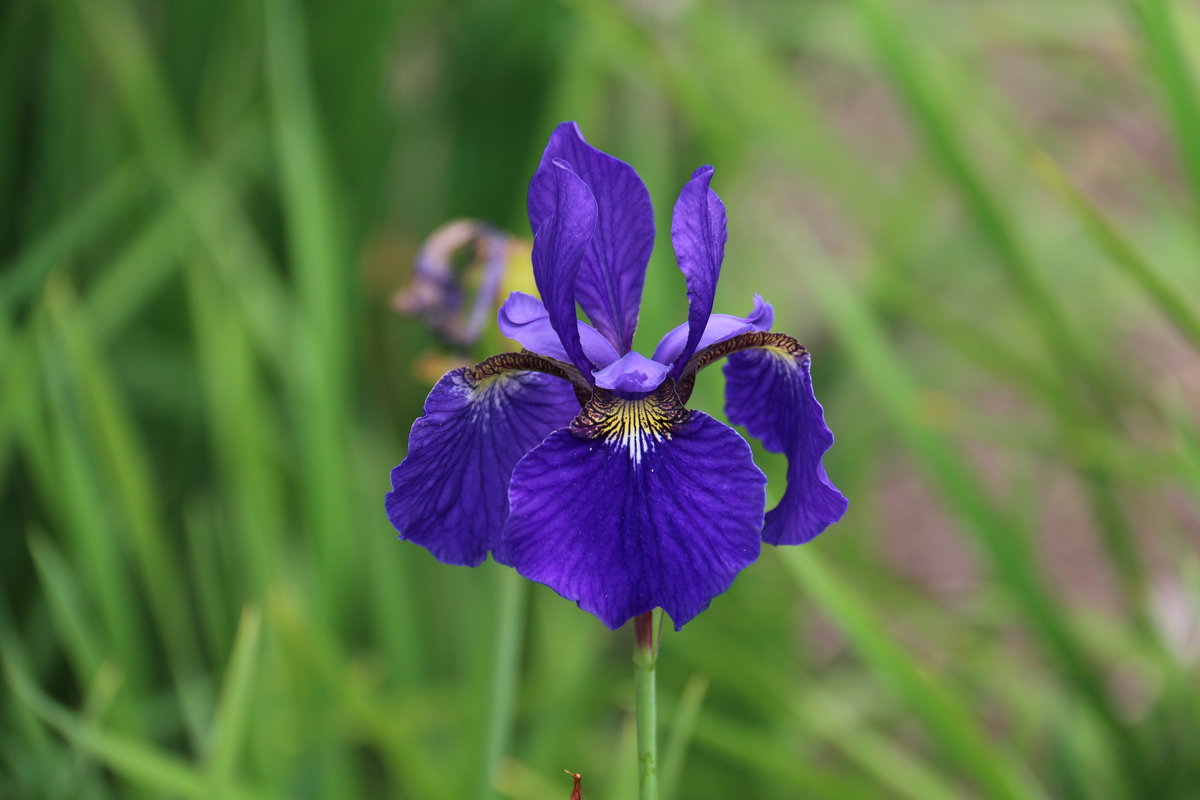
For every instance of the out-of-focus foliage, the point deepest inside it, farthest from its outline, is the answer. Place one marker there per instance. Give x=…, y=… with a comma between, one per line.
x=982, y=218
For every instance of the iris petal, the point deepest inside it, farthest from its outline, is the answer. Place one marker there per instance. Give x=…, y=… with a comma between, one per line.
x=525, y=319
x=640, y=504
x=450, y=494
x=698, y=233
x=769, y=390
x=609, y=286
x=561, y=240
x=632, y=373
x=719, y=328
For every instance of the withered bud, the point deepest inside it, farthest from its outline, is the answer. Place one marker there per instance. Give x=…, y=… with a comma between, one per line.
x=461, y=258
x=577, y=791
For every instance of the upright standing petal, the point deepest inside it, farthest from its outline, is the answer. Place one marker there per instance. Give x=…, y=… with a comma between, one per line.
x=698, y=233
x=450, y=494
x=769, y=390
x=639, y=504
x=559, y=244
x=609, y=286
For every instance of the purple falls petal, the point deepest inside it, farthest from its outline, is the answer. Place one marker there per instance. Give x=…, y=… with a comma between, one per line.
x=770, y=392
x=558, y=248
x=525, y=319
x=698, y=233
x=633, y=373
x=629, y=517
x=609, y=286
x=450, y=494
x=719, y=328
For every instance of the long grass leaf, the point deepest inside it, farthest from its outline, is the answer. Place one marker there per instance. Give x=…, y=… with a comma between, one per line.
x=20, y=279
x=232, y=718
x=314, y=238
x=76, y=631
x=210, y=209
x=731, y=740
x=111, y=432
x=954, y=728
x=929, y=114
x=1167, y=55
x=1168, y=299
x=897, y=395
x=131, y=759
x=242, y=425
x=678, y=737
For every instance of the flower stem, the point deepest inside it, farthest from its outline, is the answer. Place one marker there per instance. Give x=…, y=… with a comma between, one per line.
x=510, y=608
x=645, y=656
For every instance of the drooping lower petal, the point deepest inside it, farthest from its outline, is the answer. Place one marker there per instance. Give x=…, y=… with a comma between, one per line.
x=450, y=494
x=698, y=233
x=525, y=319
x=639, y=504
x=719, y=328
x=769, y=390
x=609, y=288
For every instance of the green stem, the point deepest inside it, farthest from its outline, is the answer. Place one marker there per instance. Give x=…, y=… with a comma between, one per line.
x=645, y=654
x=509, y=617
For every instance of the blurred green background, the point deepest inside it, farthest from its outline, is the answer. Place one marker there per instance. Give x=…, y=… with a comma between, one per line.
x=982, y=218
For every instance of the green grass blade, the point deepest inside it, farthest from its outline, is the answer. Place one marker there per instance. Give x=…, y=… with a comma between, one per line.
x=1169, y=60
x=956, y=732
x=243, y=427
x=231, y=721
x=904, y=773
x=897, y=395
x=732, y=740
x=929, y=114
x=678, y=737
x=505, y=660
x=111, y=431
x=207, y=202
x=1168, y=299
x=71, y=484
x=134, y=761
x=21, y=279
x=322, y=345
x=208, y=557
x=75, y=629
x=140, y=270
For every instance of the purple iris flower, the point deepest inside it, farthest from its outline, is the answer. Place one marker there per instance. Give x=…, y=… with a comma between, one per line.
x=576, y=461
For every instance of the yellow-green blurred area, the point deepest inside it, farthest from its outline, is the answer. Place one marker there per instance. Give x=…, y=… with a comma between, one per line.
x=983, y=219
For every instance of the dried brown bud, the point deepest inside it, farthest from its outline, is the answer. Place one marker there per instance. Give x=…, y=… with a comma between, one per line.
x=456, y=280
x=577, y=791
